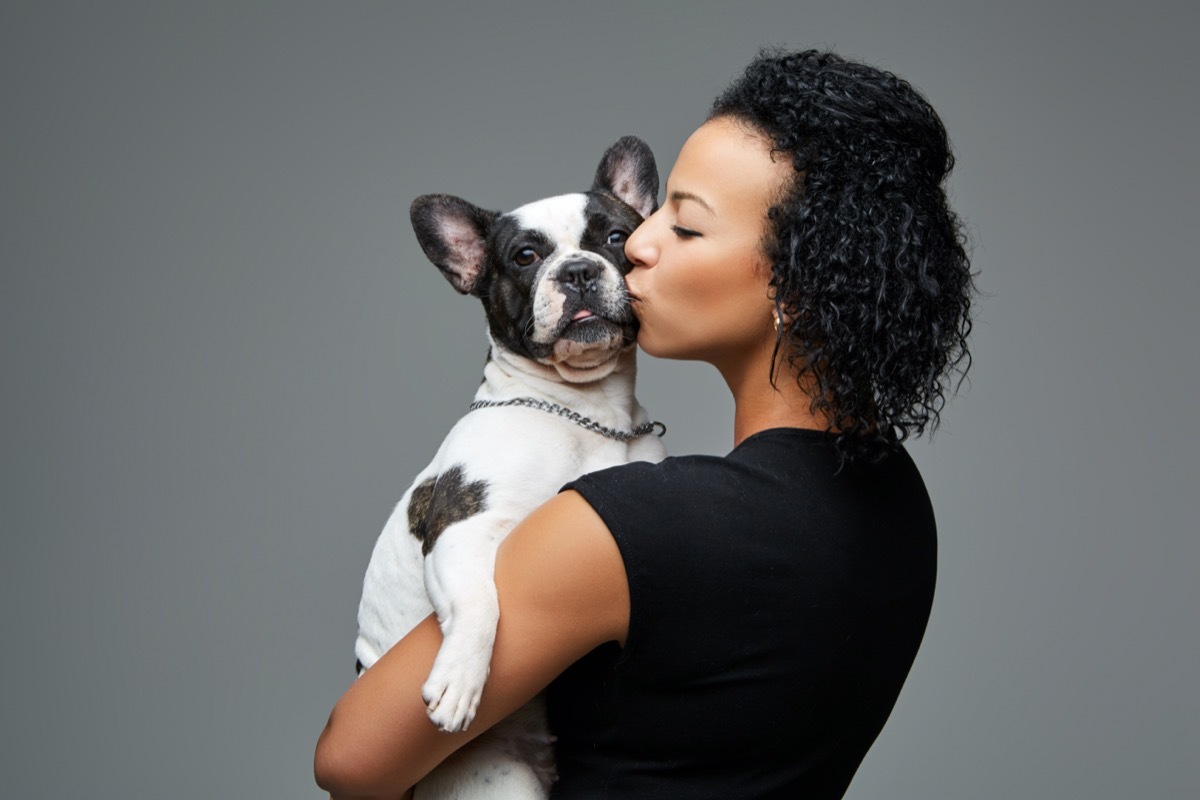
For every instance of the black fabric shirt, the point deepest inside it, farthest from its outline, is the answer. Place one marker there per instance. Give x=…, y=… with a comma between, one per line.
x=776, y=606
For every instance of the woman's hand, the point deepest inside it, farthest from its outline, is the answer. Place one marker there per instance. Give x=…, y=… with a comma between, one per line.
x=562, y=591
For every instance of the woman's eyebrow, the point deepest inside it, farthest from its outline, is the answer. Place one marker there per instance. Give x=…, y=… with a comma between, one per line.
x=678, y=196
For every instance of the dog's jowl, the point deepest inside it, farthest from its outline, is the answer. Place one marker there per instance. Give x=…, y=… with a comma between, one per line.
x=557, y=400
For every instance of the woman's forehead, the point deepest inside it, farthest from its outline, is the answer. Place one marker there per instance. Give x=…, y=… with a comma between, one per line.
x=725, y=164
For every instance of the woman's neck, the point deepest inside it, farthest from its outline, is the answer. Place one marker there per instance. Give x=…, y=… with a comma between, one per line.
x=759, y=405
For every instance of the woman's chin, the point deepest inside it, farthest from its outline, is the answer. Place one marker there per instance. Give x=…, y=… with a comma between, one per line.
x=645, y=342
x=651, y=345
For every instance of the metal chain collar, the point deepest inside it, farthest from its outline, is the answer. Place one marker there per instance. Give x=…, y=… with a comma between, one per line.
x=577, y=418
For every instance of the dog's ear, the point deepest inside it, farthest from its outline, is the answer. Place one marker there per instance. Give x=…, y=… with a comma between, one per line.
x=453, y=234
x=629, y=172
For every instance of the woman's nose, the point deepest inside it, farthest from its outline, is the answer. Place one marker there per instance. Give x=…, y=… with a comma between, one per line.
x=640, y=248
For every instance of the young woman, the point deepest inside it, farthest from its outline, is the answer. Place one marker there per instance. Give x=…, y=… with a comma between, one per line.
x=737, y=626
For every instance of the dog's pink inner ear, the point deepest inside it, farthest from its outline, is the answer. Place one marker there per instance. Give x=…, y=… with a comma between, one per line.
x=623, y=179
x=465, y=249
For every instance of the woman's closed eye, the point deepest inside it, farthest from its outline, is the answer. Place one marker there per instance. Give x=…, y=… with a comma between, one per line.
x=684, y=233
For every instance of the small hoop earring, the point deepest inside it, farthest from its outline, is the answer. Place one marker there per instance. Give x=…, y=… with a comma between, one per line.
x=777, y=322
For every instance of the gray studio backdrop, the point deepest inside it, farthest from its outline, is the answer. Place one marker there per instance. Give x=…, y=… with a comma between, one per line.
x=224, y=357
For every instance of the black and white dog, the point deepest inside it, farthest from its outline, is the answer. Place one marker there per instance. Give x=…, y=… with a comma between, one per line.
x=557, y=400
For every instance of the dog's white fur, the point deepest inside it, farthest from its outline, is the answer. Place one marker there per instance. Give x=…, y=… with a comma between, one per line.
x=524, y=455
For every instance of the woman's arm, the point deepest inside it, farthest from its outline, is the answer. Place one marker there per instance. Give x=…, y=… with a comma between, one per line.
x=562, y=592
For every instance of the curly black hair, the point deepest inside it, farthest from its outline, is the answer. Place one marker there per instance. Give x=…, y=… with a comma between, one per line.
x=869, y=267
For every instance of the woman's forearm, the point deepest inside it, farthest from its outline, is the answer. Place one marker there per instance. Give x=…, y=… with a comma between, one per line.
x=562, y=591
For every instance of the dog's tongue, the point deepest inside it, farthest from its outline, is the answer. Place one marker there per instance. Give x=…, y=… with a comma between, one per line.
x=582, y=313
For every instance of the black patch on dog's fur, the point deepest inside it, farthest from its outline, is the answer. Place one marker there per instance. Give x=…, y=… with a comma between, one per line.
x=438, y=503
x=606, y=214
x=507, y=287
x=418, y=507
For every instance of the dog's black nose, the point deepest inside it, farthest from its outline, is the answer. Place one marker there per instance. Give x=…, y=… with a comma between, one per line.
x=580, y=274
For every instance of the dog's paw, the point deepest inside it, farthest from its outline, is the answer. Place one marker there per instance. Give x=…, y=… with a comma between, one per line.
x=452, y=696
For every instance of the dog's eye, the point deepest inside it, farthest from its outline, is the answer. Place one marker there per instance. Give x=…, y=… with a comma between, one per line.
x=525, y=256
x=617, y=237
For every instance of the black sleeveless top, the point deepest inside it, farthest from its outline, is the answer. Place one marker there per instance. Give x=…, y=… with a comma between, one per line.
x=776, y=607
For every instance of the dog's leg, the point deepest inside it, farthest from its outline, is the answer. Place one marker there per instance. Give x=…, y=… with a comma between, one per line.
x=459, y=579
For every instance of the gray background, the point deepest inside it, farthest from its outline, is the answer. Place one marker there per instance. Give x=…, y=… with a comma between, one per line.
x=224, y=357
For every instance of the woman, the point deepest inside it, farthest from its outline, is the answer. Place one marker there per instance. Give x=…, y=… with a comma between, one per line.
x=738, y=626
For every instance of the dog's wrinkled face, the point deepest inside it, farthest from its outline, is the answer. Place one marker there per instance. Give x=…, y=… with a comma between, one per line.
x=557, y=280
x=550, y=273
